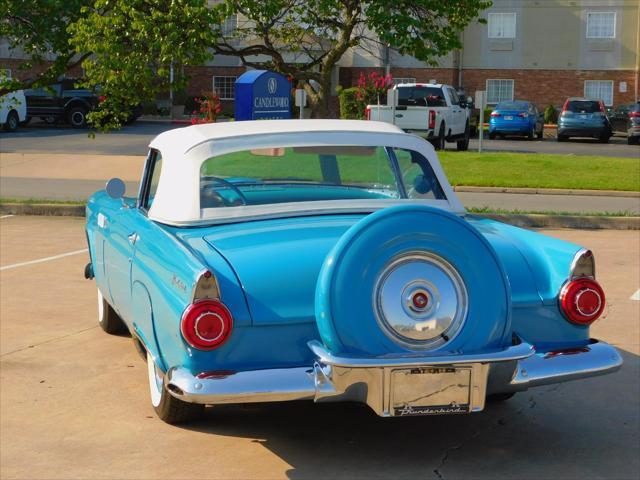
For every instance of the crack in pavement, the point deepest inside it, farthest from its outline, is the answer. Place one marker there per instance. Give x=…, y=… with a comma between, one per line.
x=48, y=341
x=445, y=456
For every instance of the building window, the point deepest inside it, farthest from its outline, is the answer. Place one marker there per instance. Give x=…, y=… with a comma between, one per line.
x=400, y=80
x=5, y=74
x=229, y=25
x=499, y=90
x=502, y=25
x=601, y=24
x=224, y=87
x=599, y=90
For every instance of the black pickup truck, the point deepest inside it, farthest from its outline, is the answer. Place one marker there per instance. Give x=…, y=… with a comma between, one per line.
x=61, y=101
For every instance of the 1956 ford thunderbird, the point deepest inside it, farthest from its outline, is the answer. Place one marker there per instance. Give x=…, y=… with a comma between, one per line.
x=331, y=260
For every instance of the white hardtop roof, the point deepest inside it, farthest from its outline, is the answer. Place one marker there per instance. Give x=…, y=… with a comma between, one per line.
x=183, y=150
x=189, y=137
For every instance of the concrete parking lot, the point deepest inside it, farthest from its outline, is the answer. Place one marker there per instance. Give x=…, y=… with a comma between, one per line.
x=74, y=401
x=134, y=140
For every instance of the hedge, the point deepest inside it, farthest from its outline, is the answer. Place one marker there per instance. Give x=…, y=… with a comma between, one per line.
x=350, y=106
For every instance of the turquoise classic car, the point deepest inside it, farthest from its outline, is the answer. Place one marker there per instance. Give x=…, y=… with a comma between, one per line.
x=331, y=260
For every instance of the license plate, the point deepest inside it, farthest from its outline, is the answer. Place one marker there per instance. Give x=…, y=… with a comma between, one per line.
x=431, y=391
x=508, y=117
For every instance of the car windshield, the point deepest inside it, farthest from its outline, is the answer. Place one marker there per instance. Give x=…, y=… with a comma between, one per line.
x=512, y=106
x=302, y=174
x=583, y=106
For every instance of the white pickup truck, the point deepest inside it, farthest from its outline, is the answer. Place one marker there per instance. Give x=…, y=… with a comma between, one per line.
x=433, y=111
x=13, y=110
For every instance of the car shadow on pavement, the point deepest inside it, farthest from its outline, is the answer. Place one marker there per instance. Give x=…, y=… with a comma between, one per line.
x=574, y=430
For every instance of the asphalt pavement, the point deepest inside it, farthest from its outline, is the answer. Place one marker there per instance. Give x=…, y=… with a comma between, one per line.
x=74, y=401
x=134, y=140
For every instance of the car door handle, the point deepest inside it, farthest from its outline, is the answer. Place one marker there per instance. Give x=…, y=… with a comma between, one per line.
x=133, y=238
x=399, y=115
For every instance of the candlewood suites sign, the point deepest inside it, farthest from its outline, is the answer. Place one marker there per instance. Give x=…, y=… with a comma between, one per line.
x=262, y=95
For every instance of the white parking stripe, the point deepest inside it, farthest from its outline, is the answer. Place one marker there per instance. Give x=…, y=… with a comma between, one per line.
x=5, y=216
x=40, y=260
x=635, y=296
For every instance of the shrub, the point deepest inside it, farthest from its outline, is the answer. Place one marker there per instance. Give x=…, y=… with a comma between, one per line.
x=550, y=115
x=351, y=107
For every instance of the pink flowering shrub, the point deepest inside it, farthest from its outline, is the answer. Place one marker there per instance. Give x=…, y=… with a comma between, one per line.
x=209, y=107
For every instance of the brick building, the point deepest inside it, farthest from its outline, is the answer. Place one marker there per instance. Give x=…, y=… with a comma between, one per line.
x=539, y=50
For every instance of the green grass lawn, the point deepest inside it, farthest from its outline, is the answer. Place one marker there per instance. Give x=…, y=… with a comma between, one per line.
x=536, y=170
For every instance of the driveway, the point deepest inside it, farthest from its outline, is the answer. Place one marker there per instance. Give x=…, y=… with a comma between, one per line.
x=74, y=400
x=134, y=140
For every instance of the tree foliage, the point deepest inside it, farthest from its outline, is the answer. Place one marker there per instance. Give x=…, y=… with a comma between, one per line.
x=306, y=38
x=133, y=45
x=38, y=29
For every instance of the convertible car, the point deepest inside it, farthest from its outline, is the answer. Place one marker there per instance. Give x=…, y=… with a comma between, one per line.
x=330, y=260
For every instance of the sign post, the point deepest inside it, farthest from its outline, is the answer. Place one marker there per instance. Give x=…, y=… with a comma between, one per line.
x=392, y=99
x=481, y=103
x=301, y=100
x=262, y=95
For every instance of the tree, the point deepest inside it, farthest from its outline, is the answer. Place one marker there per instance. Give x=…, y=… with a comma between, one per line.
x=133, y=45
x=306, y=38
x=39, y=29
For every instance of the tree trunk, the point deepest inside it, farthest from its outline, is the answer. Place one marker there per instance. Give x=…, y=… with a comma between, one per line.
x=319, y=100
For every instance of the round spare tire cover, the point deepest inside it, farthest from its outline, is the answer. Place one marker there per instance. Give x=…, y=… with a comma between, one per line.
x=412, y=279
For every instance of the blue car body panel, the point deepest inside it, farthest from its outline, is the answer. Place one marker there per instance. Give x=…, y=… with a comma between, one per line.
x=267, y=272
x=515, y=119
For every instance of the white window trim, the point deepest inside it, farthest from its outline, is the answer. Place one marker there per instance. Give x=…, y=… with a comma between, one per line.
x=600, y=81
x=513, y=88
x=615, y=22
x=500, y=14
x=213, y=82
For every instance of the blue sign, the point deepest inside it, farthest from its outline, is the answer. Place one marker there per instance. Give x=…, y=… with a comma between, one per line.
x=262, y=95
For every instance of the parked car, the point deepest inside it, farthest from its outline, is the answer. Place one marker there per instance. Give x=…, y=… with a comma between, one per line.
x=331, y=260
x=61, y=101
x=626, y=120
x=433, y=111
x=516, y=117
x=581, y=117
x=13, y=110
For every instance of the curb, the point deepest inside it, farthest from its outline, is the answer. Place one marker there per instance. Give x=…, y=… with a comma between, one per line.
x=547, y=191
x=519, y=220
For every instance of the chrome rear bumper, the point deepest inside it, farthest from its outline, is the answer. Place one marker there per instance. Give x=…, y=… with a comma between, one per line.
x=369, y=380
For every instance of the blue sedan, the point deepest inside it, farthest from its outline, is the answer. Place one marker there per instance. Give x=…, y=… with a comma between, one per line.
x=516, y=118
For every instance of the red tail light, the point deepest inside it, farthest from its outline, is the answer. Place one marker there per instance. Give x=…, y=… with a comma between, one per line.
x=206, y=324
x=523, y=115
x=634, y=114
x=582, y=300
x=565, y=107
x=602, y=109
x=432, y=119
x=367, y=113
x=495, y=114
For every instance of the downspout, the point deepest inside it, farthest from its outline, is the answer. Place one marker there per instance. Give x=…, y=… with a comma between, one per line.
x=461, y=56
x=637, y=56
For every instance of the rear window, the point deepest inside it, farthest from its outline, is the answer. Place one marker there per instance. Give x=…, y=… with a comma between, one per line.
x=583, y=106
x=421, y=96
x=635, y=108
x=512, y=106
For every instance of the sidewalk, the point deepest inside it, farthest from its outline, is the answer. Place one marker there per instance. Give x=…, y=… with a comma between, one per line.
x=75, y=177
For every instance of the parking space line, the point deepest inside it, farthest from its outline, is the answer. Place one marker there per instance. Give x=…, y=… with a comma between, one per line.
x=40, y=260
x=5, y=216
x=635, y=296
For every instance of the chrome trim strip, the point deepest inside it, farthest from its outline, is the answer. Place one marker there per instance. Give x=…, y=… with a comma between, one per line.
x=516, y=352
x=583, y=264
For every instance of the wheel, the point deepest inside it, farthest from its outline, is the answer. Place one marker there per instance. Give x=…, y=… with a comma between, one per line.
x=463, y=145
x=500, y=397
x=77, y=117
x=399, y=279
x=439, y=145
x=561, y=138
x=632, y=140
x=540, y=134
x=109, y=320
x=168, y=408
x=530, y=135
x=492, y=135
x=11, y=125
x=604, y=138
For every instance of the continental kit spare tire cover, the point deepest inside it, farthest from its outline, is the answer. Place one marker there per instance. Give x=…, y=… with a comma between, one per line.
x=412, y=279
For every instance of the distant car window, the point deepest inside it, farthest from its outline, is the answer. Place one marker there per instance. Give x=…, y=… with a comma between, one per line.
x=421, y=96
x=417, y=175
x=583, y=106
x=454, y=96
x=635, y=108
x=154, y=172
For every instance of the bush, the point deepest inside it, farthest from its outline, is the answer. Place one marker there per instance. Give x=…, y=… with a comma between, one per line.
x=351, y=107
x=550, y=115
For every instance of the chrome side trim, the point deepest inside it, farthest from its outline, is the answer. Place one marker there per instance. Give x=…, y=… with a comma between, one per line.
x=515, y=352
x=583, y=264
x=205, y=287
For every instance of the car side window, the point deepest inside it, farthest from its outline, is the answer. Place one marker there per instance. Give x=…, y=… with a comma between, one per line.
x=152, y=180
x=455, y=100
x=417, y=175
